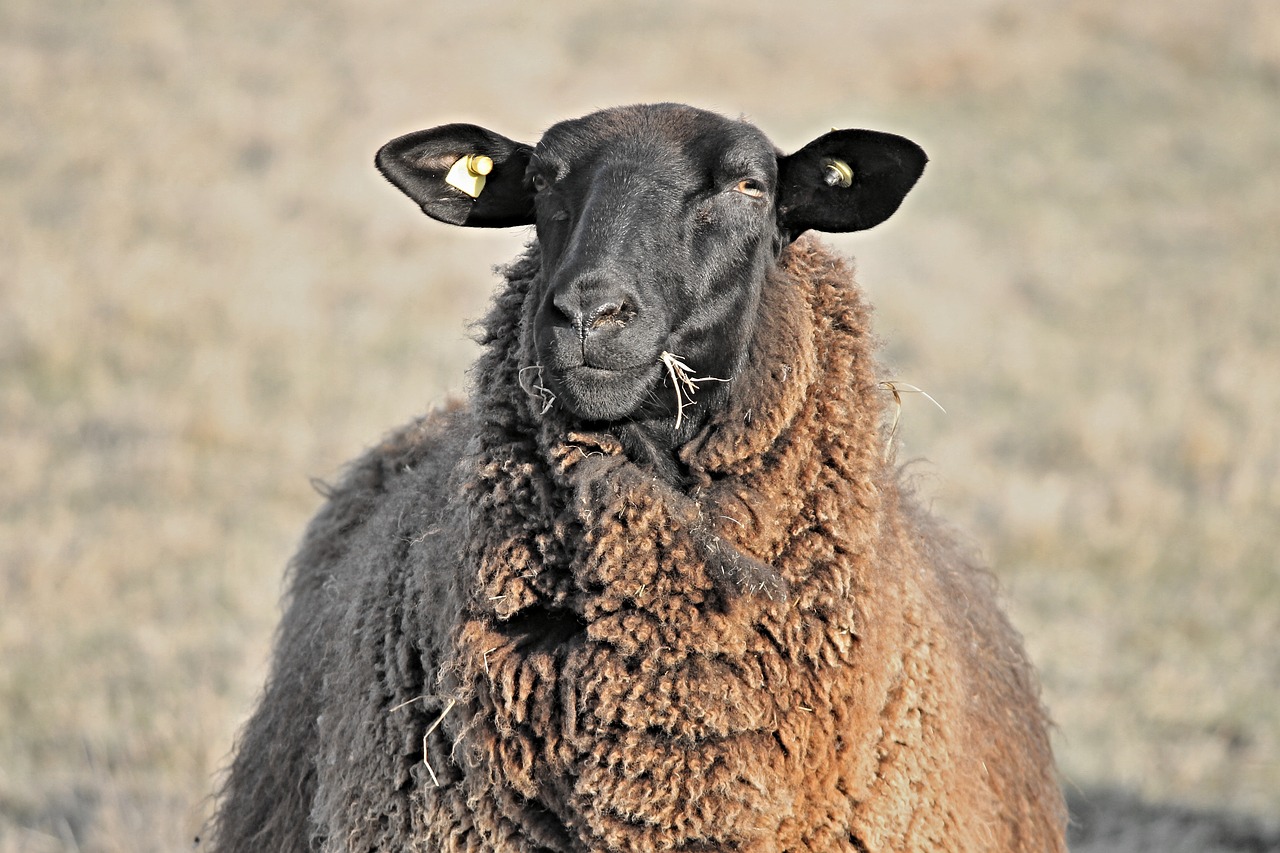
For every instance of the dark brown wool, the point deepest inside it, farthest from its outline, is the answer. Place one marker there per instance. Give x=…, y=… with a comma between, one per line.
x=602, y=671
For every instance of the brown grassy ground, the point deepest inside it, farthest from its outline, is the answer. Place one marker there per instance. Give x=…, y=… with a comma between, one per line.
x=207, y=297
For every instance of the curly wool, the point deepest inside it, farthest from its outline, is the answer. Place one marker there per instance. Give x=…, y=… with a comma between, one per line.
x=542, y=647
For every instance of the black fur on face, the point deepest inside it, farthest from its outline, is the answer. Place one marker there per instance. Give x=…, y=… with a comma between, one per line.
x=657, y=226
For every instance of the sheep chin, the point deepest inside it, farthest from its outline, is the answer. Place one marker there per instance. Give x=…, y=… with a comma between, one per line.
x=603, y=396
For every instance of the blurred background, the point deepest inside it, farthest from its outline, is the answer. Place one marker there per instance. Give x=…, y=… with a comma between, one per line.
x=208, y=297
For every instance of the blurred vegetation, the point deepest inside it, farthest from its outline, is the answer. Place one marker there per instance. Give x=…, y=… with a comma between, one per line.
x=208, y=297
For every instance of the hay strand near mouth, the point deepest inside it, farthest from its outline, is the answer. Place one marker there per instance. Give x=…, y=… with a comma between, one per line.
x=535, y=388
x=683, y=382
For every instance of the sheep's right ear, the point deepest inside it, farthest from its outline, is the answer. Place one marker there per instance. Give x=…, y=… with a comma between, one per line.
x=420, y=165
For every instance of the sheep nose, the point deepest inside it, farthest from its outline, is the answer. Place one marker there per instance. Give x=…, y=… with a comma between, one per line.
x=592, y=309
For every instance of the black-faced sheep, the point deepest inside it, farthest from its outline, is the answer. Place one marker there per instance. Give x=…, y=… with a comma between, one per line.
x=655, y=586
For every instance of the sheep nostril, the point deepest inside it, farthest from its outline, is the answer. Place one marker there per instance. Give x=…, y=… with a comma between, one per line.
x=604, y=315
x=609, y=314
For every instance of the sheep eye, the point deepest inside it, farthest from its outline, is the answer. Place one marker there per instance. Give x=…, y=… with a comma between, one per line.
x=750, y=187
x=539, y=183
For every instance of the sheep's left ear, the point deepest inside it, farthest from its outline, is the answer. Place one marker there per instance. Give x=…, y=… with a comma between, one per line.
x=846, y=180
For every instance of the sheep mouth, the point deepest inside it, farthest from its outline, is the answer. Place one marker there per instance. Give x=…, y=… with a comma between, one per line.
x=599, y=394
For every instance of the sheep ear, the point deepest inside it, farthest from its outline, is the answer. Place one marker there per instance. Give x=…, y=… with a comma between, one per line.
x=846, y=180
x=429, y=167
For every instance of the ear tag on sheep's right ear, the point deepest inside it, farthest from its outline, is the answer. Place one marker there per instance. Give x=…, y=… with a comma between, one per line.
x=836, y=173
x=468, y=173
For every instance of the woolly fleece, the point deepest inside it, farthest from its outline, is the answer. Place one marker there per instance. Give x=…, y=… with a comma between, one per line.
x=610, y=663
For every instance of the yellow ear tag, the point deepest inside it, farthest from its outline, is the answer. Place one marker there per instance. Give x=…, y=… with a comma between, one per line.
x=836, y=173
x=468, y=173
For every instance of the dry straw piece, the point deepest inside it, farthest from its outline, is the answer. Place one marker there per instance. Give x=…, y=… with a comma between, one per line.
x=536, y=388
x=896, y=388
x=434, y=725
x=427, y=735
x=685, y=386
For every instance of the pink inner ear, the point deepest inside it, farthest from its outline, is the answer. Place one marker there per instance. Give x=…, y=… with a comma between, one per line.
x=434, y=162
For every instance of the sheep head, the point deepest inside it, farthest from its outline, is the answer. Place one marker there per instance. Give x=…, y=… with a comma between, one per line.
x=657, y=225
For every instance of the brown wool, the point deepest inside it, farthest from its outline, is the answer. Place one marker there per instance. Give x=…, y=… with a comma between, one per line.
x=615, y=685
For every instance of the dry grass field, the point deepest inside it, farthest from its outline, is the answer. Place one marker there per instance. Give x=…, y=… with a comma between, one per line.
x=208, y=297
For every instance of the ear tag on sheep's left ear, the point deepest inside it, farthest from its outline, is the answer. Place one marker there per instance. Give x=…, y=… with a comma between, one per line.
x=468, y=173
x=836, y=173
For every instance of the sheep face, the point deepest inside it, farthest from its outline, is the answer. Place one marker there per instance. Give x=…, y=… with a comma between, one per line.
x=656, y=229
x=658, y=225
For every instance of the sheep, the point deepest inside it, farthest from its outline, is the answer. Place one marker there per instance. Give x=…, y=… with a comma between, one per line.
x=658, y=584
